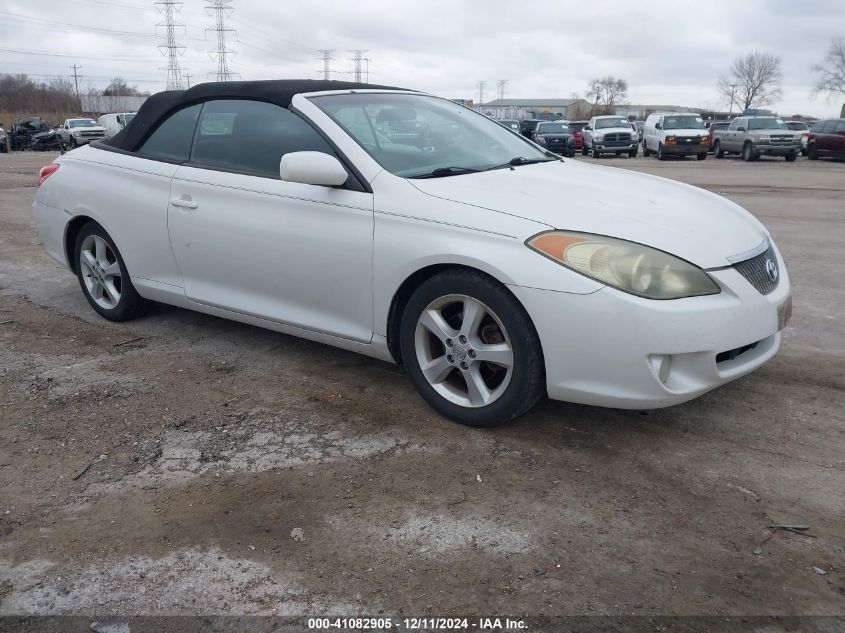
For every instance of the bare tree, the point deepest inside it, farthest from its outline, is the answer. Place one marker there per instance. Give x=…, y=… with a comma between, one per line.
x=831, y=72
x=605, y=92
x=754, y=80
x=119, y=88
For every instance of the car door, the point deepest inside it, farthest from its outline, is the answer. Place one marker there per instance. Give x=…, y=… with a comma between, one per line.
x=838, y=139
x=248, y=242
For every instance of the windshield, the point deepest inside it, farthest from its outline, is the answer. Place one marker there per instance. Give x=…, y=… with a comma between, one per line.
x=82, y=123
x=553, y=128
x=620, y=122
x=766, y=123
x=797, y=125
x=414, y=135
x=683, y=123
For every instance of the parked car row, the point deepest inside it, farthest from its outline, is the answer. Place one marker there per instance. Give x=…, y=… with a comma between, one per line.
x=667, y=134
x=33, y=133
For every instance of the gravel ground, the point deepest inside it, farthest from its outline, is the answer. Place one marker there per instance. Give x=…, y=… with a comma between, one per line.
x=184, y=464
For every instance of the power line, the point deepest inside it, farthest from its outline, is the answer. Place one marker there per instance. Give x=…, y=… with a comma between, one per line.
x=327, y=62
x=501, y=88
x=221, y=9
x=358, y=63
x=171, y=48
x=76, y=79
x=481, y=86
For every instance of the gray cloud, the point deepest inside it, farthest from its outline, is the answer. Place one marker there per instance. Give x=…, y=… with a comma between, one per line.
x=670, y=51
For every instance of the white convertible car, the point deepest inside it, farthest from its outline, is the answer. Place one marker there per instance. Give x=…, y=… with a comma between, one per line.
x=409, y=228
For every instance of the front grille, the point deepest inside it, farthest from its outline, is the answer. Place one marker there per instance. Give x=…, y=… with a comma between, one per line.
x=91, y=133
x=617, y=138
x=761, y=271
x=733, y=353
x=782, y=140
x=687, y=140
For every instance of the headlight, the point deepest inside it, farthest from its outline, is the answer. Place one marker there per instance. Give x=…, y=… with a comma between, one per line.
x=76, y=132
x=763, y=137
x=539, y=138
x=598, y=137
x=627, y=266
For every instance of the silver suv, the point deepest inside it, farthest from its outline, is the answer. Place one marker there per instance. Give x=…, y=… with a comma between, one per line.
x=755, y=136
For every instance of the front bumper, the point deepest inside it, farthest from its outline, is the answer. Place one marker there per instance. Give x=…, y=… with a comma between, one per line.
x=765, y=149
x=613, y=349
x=614, y=147
x=686, y=149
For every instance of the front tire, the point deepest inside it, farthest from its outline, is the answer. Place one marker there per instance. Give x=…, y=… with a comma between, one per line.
x=748, y=153
x=661, y=154
x=471, y=349
x=812, y=152
x=646, y=150
x=633, y=152
x=103, y=276
x=701, y=156
x=583, y=149
x=791, y=157
x=595, y=152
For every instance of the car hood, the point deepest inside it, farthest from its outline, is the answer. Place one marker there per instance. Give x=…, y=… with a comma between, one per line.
x=691, y=223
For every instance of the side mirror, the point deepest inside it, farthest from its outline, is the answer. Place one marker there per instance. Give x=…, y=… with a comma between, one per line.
x=740, y=128
x=312, y=168
x=658, y=126
x=587, y=127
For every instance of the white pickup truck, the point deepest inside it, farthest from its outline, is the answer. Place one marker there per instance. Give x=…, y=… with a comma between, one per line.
x=610, y=134
x=76, y=132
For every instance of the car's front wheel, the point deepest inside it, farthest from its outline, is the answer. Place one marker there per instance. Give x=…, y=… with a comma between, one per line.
x=748, y=152
x=595, y=152
x=103, y=276
x=661, y=154
x=471, y=349
x=701, y=156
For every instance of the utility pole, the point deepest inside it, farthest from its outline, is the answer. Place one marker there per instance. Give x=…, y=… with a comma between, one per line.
x=501, y=88
x=733, y=92
x=188, y=79
x=171, y=49
x=221, y=9
x=481, y=86
x=327, y=62
x=76, y=80
x=358, y=63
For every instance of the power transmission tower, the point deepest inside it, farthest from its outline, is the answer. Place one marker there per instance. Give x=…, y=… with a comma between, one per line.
x=221, y=9
x=76, y=79
x=501, y=88
x=327, y=61
x=358, y=60
x=481, y=86
x=171, y=49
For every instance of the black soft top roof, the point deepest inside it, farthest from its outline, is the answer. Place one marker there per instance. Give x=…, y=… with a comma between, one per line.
x=162, y=104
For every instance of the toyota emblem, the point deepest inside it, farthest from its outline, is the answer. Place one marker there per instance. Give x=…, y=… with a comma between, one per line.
x=771, y=269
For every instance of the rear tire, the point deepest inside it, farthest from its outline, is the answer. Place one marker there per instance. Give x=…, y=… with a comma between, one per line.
x=433, y=333
x=103, y=276
x=718, y=152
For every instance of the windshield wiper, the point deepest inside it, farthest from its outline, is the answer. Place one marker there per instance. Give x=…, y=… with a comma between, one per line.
x=442, y=172
x=521, y=160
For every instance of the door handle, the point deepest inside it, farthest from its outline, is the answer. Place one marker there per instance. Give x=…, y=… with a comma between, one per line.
x=183, y=202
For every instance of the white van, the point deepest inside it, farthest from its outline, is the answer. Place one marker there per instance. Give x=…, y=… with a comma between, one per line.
x=114, y=123
x=676, y=133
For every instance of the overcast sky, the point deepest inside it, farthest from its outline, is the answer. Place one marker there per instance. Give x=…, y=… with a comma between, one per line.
x=669, y=51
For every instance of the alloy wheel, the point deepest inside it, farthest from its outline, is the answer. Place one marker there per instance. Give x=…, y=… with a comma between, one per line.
x=100, y=272
x=464, y=351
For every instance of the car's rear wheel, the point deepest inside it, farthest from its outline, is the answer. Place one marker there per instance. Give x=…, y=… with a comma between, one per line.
x=471, y=350
x=718, y=152
x=103, y=276
x=812, y=152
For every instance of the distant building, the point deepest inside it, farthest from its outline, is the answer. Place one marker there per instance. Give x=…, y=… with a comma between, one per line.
x=640, y=112
x=548, y=109
x=99, y=104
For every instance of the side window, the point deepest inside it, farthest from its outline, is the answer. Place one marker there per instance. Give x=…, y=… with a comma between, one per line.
x=828, y=127
x=172, y=139
x=733, y=125
x=840, y=127
x=251, y=136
